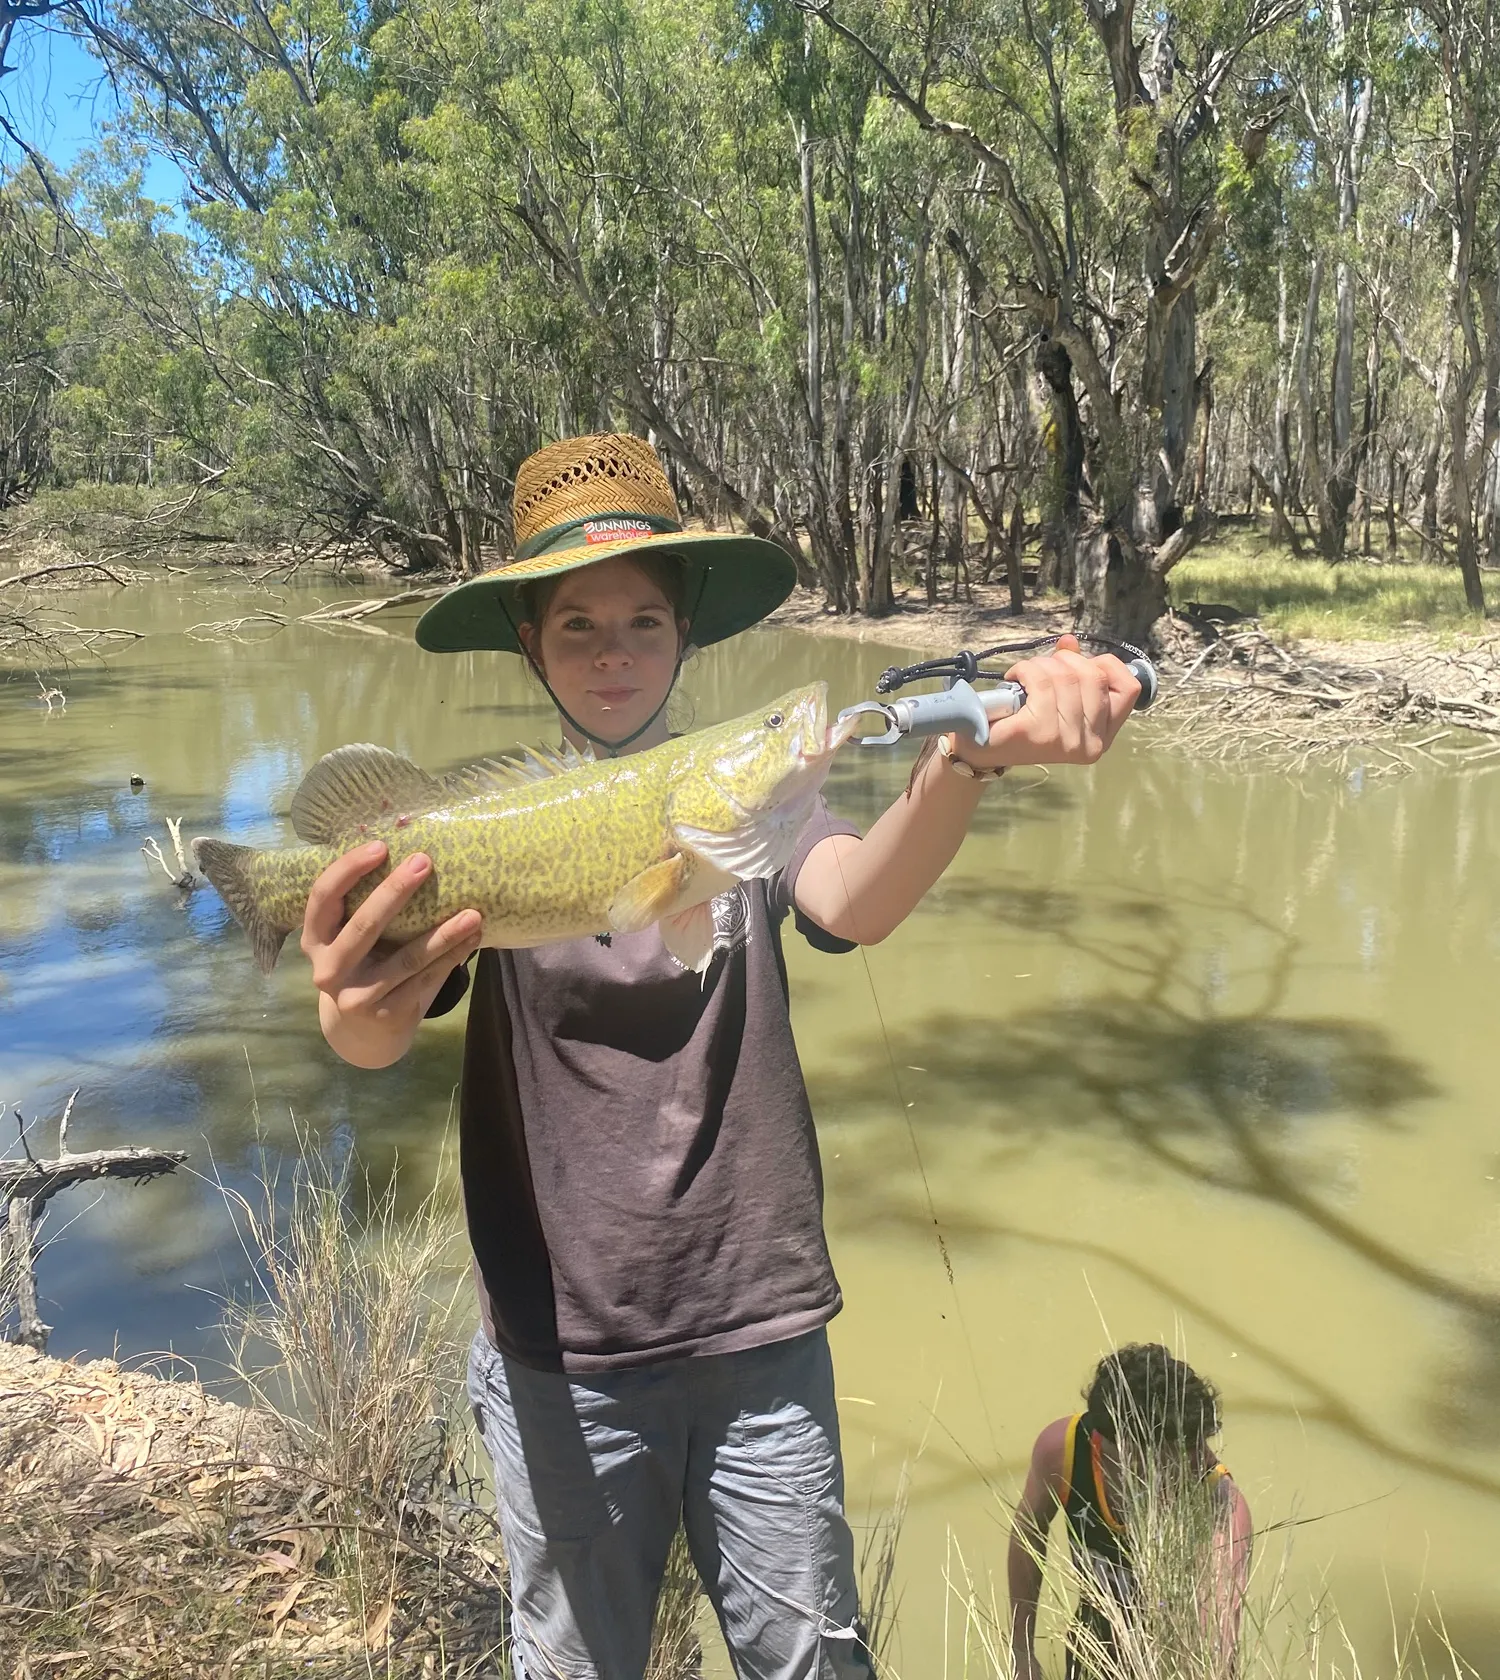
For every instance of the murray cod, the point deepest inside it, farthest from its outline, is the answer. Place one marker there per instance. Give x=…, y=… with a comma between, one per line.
x=550, y=846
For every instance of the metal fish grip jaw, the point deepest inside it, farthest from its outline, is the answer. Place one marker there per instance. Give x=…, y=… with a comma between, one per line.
x=960, y=705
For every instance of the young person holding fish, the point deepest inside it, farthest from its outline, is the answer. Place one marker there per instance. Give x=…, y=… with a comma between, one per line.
x=639, y=1163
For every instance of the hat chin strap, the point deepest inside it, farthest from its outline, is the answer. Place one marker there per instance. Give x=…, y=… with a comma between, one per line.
x=612, y=749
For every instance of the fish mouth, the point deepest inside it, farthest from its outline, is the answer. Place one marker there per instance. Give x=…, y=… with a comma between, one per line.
x=840, y=732
x=814, y=739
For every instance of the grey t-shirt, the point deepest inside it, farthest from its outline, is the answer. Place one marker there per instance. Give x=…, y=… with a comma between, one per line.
x=639, y=1164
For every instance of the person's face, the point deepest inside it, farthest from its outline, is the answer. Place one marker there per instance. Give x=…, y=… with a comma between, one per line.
x=608, y=647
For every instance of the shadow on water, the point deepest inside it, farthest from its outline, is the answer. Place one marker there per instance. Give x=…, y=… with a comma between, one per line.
x=1223, y=1103
x=1169, y=1075
x=1320, y=1402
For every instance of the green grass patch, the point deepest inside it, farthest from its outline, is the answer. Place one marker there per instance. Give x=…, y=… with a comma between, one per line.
x=1357, y=600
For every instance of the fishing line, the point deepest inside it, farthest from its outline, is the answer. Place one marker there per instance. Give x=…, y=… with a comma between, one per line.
x=911, y=1132
x=966, y=665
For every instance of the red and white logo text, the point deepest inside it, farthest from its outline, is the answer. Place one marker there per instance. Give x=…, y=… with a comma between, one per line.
x=614, y=530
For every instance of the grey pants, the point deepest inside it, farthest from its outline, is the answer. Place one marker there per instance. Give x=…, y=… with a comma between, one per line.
x=593, y=1473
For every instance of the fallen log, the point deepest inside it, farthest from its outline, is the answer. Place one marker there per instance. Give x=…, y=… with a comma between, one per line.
x=39, y=1181
x=28, y=1184
x=352, y=611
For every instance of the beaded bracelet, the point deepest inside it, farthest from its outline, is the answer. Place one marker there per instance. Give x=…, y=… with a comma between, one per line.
x=945, y=746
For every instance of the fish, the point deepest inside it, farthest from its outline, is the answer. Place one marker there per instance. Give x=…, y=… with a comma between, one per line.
x=550, y=845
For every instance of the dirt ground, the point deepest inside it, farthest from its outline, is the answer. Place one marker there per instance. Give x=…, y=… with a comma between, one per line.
x=1240, y=693
x=149, y=1529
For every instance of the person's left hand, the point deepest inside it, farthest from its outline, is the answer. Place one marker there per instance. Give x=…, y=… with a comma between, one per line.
x=1074, y=708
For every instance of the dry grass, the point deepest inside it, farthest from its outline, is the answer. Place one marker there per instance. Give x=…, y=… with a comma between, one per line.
x=1184, y=1619
x=338, y=1528
x=341, y=1526
x=354, y=1337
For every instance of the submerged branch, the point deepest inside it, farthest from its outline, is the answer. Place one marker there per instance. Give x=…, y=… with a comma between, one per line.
x=65, y=566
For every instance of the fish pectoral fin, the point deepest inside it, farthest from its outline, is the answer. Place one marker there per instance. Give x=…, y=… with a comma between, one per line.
x=689, y=936
x=360, y=785
x=754, y=851
x=647, y=897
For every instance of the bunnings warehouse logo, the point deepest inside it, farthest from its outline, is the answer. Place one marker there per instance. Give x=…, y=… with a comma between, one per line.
x=614, y=530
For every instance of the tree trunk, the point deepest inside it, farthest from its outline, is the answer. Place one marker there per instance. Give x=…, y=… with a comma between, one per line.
x=878, y=595
x=1395, y=496
x=1014, y=576
x=1062, y=438
x=1309, y=462
x=1205, y=426
x=1460, y=398
x=1355, y=95
x=1119, y=593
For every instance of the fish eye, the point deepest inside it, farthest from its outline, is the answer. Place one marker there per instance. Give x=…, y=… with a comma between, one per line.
x=775, y=721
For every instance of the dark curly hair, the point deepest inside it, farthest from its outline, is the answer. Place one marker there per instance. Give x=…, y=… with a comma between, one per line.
x=1142, y=1392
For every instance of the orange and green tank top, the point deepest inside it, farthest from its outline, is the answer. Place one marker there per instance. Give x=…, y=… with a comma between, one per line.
x=1092, y=1526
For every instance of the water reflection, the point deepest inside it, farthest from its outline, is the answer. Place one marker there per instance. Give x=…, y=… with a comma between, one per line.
x=1188, y=1053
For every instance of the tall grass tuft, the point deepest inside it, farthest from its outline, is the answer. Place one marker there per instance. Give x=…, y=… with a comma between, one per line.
x=357, y=1333
x=351, y=1334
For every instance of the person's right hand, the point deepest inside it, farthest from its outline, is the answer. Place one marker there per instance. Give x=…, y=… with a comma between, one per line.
x=372, y=996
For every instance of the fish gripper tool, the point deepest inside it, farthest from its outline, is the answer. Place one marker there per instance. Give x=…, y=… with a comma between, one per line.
x=962, y=706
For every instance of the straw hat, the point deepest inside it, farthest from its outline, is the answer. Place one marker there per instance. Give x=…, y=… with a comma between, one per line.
x=590, y=498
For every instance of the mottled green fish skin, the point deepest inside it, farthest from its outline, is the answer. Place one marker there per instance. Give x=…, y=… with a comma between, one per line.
x=544, y=860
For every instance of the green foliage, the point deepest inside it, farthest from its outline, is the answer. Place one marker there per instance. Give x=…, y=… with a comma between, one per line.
x=422, y=239
x=1312, y=599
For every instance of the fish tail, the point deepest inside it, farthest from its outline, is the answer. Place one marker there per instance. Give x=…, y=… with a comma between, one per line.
x=228, y=868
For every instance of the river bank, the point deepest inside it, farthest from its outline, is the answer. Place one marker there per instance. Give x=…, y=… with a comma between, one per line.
x=1232, y=689
x=1368, y=684
x=152, y=1528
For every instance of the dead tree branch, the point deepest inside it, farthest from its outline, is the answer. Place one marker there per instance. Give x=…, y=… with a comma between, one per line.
x=28, y=1184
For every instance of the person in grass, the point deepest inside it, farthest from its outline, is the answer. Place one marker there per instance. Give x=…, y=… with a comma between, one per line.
x=1146, y=1414
x=639, y=1165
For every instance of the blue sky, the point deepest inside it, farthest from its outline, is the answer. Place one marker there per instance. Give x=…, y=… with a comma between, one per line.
x=59, y=101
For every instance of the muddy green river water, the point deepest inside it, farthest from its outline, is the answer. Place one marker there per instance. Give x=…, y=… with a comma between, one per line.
x=1174, y=1052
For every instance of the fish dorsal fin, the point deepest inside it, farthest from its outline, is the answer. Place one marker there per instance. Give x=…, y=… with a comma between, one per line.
x=360, y=786
x=528, y=765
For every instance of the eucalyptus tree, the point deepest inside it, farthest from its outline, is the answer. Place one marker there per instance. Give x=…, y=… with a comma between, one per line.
x=28, y=377
x=1464, y=41
x=1116, y=193
x=290, y=132
x=1336, y=91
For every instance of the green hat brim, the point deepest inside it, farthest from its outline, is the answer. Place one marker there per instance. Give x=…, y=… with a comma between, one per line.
x=731, y=582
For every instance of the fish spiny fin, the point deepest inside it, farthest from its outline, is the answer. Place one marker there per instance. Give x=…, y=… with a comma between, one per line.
x=646, y=897
x=360, y=785
x=531, y=764
x=226, y=866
